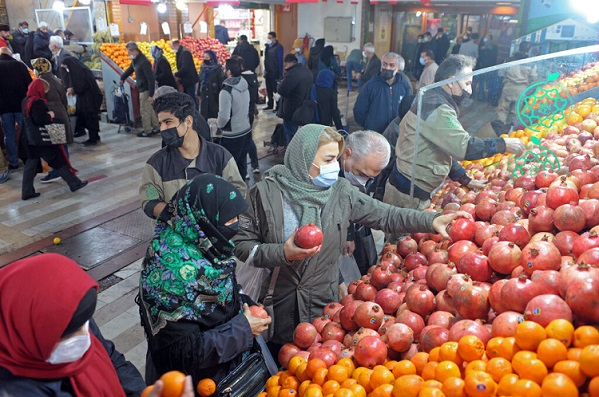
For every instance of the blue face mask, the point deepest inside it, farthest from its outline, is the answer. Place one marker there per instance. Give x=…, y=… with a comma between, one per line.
x=25, y=31
x=329, y=173
x=422, y=61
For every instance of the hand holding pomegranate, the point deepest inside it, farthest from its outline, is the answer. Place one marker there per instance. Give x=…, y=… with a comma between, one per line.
x=441, y=223
x=257, y=324
x=513, y=145
x=295, y=253
x=477, y=184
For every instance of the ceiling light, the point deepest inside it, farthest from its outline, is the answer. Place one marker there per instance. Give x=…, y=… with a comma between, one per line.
x=58, y=5
x=418, y=14
x=181, y=6
x=85, y=2
x=161, y=8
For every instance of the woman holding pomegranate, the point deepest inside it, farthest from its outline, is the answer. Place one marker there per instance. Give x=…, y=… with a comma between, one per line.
x=306, y=189
x=195, y=319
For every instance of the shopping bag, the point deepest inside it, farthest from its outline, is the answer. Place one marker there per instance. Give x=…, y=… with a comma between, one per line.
x=71, y=103
x=349, y=269
x=251, y=278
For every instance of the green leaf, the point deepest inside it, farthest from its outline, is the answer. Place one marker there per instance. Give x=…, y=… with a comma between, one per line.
x=535, y=140
x=552, y=76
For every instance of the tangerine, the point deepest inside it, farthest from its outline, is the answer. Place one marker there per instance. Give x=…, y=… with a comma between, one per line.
x=430, y=392
x=586, y=335
x=572, y=369
x=174, y=383
x=385, y=390
x=446, y=369
x=146, y=392
x=273, y=391
x=358, y=390
x=404, y=367
x=508, y=348
x=407, y=386
x=348, y=382
x=498, y=367
x=479, y=384
x=433, y=355
x=594, y=387
x=390, y=364
x=419, y=360
x=529, y=335
x=551, y=351
x=574, y=353
x=493, y=347
x=428, y=372
x=454, y=387
x=303, y=387
x=287, y=393
x=558, y=385
x=365, y=380
x=476, y=365
x=583, y=110
x=535, y=370
x=330, y=387
x=320, y=376
x=471, y=348
x=562, y=330
x=432, y=383
x=313, y=365
x=589, y=360
x=300, y=372
x=505, y=384
x=343, y=392
x=526, y=387
x=313, y=392
x=347, y=363
x=294, y=363
x=272, y=381
x=206, y=387
x=339, y=373
x=381, y=376
x=449, y=351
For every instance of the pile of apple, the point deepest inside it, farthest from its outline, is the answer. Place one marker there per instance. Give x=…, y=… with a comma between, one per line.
x=198, y=46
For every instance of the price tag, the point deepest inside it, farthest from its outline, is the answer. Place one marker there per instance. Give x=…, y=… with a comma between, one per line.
x=187, y=28
x=166, y=28
x=143, y=28
x=114, y=30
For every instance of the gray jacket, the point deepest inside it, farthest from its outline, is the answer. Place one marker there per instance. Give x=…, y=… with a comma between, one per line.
x=233, y=108
x=303, y=288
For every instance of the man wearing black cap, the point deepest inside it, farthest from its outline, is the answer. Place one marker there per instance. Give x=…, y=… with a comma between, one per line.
x=250, y=56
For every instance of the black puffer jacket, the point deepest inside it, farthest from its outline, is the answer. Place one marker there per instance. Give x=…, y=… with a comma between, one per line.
x=14, y=81
x=210, y=85
x=294, y=88
x=41, y=42
x=252, y=80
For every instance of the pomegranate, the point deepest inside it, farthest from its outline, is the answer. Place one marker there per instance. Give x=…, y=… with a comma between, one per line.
x=547, y=280
x=345, y=353
x=304, y=335
x=286, y=353
x=529, y=200
x=332, y=331
x=517, y=292
x=258, y=311
x=412, y=320
x=569, y=217
x=456, y=281
x=406, y=245
x=582, y=297
x=308, y=236
x=503, y=218
x=438, y=256
x=540, y=219
x=370, y=351
x=441, y=318
x=469, y=208
x=580, y=162
x=326, y=355
x=485, y=232
x=591, y=212
x=462, y=229
x=585, y=242
x=505, y=324
x=459, y=248
x=427, y=246
x=526, y=182
x=543, y=309
x=504, y=257
x=331, y=309
x=365, y=292
x=418, y=273
x=476, y=265
x=380, y=278
x=433, y=336
x=333, y=345
x=369, y=315
x=388, y=300
x=544, y=178
x=561, y=194
x=489, y=243
x=351, y=288
x=399, y=337
x=485, y=209
x=420, y=300
x=564, y=241
x=444, y=302
x=571, y=274
x=389, y=247
x=540, y=256
x=471, y=302
x=469, y=327
x=438, y=277
x=347, y=315
x=515, y=233
x=361, y=333
x=590, y=256
x=320, y=322
x=495, y=297
x=411, y=352
x=514, y=194
x=393, y=258
x=415, y=259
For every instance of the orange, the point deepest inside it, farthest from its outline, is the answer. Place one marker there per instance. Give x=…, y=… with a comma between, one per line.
x=343, y=392
x=294, y=363
x=313, y=365
x=594, y=387
x=558, y=385
x=562, y=330
x=479, y=384
x=449, y=351
x=551, y=351
x=288, y=393
x=358, y=390
x=263, y=394
x=419, y=359
x=381, y=376
x=521, y=359
x=272, y=381
x=320, y=376
x=348, y=382
x=589, y=360
x=339, y=373
x=471, y=348
x=174, y=382
x=574, y=353
x=433, y=355
x=300, y=372
x=428, y=372
x=291, y=382
x=147, y=391
x=390, y=364
x=505, y=384
x=432, y=383
x=284, y=375
x=454, y=387
x=313, y=392
x=529, y=334
x=365, y=380
x=357, y=372
x=493, y=347
x=508, y=348
x=498, y=367
x=330, y=387
x=431, y=392
x=385, y=390
x=535, y=370
x=586, y=335
x=347, y=363
x=583, y=110
x=573, y=118
x=571, y=368
x=303, y=387
x=446, y=369
x=404, y=367
x=476, y=365
x=407, y=386
x=206, y=387
x=273, y=391
x=526, y=387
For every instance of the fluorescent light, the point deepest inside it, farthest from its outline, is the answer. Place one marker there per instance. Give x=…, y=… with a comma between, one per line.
x=504, y=4
x=418, y=14
x=161, y=8
x=58, y=5
x=593, y=18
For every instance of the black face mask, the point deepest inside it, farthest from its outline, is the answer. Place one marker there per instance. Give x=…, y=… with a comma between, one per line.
x=386, y=74
x=207, y=62
x=171, y=137
x=229, y=231
x=459, y=98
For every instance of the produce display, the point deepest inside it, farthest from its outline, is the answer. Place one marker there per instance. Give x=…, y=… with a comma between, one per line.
x=198, y=46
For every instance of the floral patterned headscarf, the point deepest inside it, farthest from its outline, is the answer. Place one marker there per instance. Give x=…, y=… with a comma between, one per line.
x=189, y=269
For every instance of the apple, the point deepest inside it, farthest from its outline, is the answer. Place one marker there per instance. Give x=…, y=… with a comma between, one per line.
x=308, y=236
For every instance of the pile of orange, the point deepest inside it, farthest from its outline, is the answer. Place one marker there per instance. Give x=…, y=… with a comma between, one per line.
x=558, y=360
x=117, y=53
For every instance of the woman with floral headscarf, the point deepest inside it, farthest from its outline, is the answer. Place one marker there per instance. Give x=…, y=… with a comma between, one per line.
x=212, y=77
x=190, y=305
x=162, y=69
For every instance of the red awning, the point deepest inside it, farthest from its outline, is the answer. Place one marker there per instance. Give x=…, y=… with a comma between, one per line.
x=137, y=2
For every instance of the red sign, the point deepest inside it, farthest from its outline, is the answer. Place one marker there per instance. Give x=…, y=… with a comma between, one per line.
x=137, y=2
x=285, y=8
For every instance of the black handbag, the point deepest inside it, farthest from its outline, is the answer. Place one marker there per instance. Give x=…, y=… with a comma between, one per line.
x=248, y=379
x=305, y=113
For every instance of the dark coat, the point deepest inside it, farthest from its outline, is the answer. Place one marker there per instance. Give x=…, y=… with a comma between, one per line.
x=378, y=102
x=208, y=91
x=294, y=88
x=221, y=34
x=14, y=81
x=328, y=112
x=250, y=56
x=57, y=101
x=253, y=85
x=186, y=69
x=273, y=61
x=315, y=53
x=61, y=73
x=19, y=39
x=129, y=377
x=82, y=81
x=372, y=68
x=163, y=73
x=440, y=48
x=41, y=42
x=144, y=77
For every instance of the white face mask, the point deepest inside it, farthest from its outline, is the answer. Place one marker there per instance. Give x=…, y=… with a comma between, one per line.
x=357, y=181
x=297, y=50
x=269, y=41
x=132, y=56
x=72, y=349
x=364, y=54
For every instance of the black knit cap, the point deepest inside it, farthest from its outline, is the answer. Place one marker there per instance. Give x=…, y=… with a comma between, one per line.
x=4, y=28
x=84, y=312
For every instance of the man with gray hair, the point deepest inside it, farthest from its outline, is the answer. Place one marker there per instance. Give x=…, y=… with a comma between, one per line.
x=59, y=54
x=365, y=155
x=379, y=98
x=41, y=41
x=373, y=65
x=145, y=83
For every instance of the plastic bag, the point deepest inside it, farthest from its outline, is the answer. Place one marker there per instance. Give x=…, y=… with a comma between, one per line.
x=71, y=103
x=349, y=269
x=251, y=278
